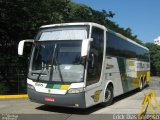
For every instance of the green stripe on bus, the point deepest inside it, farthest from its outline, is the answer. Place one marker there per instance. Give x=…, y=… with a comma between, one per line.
x=122, y=67
x=56, y=86
x=49, y=85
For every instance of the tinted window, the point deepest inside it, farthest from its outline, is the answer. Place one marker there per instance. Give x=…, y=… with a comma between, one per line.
x=117, y=46
x=95, y=56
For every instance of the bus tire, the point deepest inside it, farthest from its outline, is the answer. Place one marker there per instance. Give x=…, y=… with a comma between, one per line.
x=141, y=85
x=108, y=96
x=144, y=82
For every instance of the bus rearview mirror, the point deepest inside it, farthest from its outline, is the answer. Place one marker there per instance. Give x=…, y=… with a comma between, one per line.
x=85, y=44
x=21, y=46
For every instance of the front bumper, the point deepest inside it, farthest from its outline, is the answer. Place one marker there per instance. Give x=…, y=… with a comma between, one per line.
x=67, y=100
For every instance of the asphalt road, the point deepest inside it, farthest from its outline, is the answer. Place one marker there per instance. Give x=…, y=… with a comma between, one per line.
x=130, y=103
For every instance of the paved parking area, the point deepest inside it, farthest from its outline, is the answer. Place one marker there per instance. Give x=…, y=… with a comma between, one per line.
x=129, y=103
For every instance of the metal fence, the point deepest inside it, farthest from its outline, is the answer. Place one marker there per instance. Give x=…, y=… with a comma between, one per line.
x=13, y=79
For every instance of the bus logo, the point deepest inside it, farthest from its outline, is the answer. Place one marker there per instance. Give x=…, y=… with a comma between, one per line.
x=96, y=95
x=49, y=90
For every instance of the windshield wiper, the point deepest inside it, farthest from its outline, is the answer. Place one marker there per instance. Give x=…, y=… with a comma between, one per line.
x=55, y=60
x=53, y=57
x=59, y=70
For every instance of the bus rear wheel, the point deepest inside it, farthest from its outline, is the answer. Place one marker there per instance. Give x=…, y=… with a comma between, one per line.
x=108, y=96
x=141, y=86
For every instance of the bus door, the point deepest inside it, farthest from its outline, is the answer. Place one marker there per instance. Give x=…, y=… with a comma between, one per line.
x=93, y=88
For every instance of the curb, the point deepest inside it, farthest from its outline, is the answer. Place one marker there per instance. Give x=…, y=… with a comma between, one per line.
x=13, y=96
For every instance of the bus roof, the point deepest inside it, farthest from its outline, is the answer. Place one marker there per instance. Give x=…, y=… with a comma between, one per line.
x=94, y=24
x=73, y=24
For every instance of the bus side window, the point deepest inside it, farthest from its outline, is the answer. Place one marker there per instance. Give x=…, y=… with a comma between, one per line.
x=95, y=56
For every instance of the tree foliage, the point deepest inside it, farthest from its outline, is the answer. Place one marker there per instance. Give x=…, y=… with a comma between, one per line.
x=21, y=19
x=154, y=57
x=81, y=13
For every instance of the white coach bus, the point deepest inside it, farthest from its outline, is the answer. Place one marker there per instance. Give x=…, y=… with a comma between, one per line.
x=83, y=64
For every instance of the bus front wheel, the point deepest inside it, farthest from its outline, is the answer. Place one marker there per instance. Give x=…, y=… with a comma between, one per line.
x=108, y=96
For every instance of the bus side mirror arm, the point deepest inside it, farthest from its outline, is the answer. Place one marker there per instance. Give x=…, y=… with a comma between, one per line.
x=85, y=46
x=21, y=45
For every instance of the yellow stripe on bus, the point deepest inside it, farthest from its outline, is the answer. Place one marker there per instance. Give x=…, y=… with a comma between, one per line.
x=64, y=87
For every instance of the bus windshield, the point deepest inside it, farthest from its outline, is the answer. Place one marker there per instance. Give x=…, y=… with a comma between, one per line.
x=58, y=61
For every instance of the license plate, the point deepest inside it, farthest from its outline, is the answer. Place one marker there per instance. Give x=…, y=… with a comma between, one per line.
x=49, y=99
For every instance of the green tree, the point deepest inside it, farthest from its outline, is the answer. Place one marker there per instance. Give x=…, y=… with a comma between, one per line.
x=154, y=57
x=79, y=13
x=21, y=19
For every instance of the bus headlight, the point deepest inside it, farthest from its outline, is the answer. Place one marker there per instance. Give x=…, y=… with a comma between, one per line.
x=75, y=90
x=30, y=86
